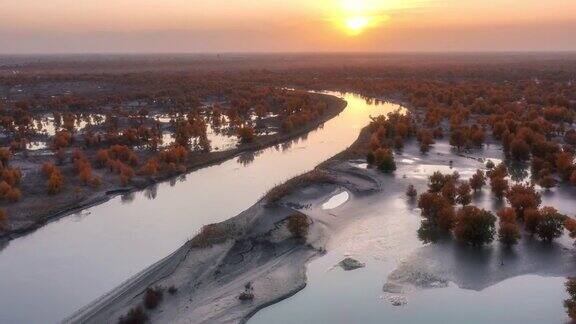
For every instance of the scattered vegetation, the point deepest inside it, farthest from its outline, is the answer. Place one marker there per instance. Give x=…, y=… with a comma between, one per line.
x=248, y=293
x=212, y=234
x=411, y=192
x=298, y=225
x=135, y=315
x=550, y=224
x=274, y=196
x=388, y=132
x=570, y=303
x=3, y=221
x=153, y=297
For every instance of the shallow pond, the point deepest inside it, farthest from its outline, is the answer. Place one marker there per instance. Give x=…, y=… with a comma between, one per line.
x=66, y=264
x=381, y=232
x=336, y=200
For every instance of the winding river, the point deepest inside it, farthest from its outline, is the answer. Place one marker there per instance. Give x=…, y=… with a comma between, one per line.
x=50, y=273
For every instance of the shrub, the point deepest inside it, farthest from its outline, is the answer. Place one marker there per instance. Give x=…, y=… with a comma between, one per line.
x=3, y=220
x=411, y=192
x=151, y=167
x=153, y=297
x=570, y=226
x=135, y=315
x=248, y=293
x=438, y=210
x=519, y=149
x=449, y=191
x=551, y=224
x=509, y=234
x=474, y=226
x=509, y=231
x=570, y=303
x=499, y=171
x=499, y=186
x=370, y=158
x=14, y=195
x=531, y=219
x=55, y=182
x=246, y=134
x=387, y=165
x=172, y=290
x=522, y=197
x=428, y=232
x=5, y=188
x=95, y=182
x=48, y=168
x=126, y=174
x=211, y=234
x=573, y=178
x=12, y=176
x=464, y=196
x=102, y=157
x=5, y=156
x=547, y=181
x=490, y=165
x=277, y=193
x=507, y=215
x=298, y=225
x=430, y=203
x=384, y=160
x=436, y=181
x=446, y=218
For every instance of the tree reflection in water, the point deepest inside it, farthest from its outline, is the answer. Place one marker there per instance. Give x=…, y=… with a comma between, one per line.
x=151, y=192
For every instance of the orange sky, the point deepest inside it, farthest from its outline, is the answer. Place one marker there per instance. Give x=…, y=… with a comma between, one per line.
x=60, y=26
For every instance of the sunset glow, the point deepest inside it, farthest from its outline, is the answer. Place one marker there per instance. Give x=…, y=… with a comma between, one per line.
x=298, y=25
x=354, y=17
x=356, y=24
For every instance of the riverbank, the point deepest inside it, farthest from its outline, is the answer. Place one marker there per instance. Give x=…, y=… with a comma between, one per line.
x=82, y=249
x=262, y=253
x=34, y=212
x=259, y=250
x=408, y=280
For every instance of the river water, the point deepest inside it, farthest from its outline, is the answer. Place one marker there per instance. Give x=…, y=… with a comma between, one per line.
x=50, y=273
x=522, y=285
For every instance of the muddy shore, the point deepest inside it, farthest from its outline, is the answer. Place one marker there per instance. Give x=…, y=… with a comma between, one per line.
x=261, y=251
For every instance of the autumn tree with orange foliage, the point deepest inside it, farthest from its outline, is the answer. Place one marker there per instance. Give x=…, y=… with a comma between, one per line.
x=474, y=226
x=464, y=194
x=437, y=210
x=509, y=231
x=246, y=134
x=5, y=156
x=478, y=180
x=3, y=220
x=55, y=181
x=522, y=197
x=151, y=167
x=550, y=225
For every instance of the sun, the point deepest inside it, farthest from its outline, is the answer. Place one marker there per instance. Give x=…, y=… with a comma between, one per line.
x=355, y=25
x=354, y=17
